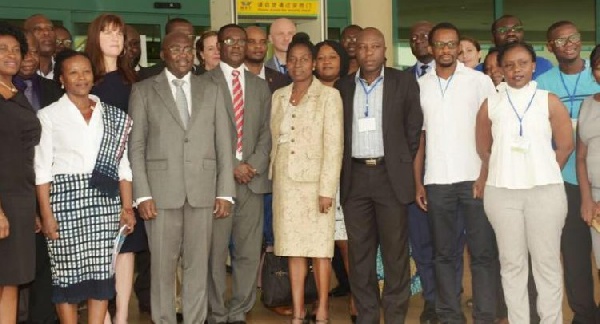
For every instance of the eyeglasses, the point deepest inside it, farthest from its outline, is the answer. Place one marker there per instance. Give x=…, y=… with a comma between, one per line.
x=573, y=38
x=514, y=29
x=232, y=41
x=349, y=39
x=450, y=44
x=416, y=37
x=176, y=50
x=65, y=42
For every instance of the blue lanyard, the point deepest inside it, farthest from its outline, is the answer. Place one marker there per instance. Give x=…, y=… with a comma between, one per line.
x=571, y=95
x=368, y=92
x=280, y=67
x=520, y=118
x=443, y=91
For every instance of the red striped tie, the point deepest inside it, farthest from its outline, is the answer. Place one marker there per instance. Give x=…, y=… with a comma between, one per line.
x=238, y=109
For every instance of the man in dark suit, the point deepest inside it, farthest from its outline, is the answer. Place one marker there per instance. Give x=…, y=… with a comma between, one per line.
x=181, y=157
x=382, y=113
x=179, y=25
x=248, y=103
x=40, y=92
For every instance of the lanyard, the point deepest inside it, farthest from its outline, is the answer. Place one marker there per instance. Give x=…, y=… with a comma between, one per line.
x=520, y=118
x=443, y=91
x=571, y=95
x=368, y=92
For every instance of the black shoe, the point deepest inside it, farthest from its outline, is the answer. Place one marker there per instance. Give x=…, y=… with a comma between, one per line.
x=179, y=317
x=429, y=316
x=353, y=319
x=339, y=291
x=237, y=322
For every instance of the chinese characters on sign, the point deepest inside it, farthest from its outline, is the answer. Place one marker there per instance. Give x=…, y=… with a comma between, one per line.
x=286, y=8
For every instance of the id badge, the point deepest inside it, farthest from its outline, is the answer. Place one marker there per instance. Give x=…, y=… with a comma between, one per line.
x=366, y=124
x=520, y=144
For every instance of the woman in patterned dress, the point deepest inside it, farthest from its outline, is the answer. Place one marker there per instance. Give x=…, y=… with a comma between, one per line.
x=83, y=182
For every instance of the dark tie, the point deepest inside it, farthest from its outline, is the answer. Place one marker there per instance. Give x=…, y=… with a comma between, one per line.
x=31, y=95
x=283, y=69
x=424, y=68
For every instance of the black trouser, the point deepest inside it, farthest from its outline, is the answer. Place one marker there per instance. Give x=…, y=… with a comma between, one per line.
x=444, y=202
x=141, y=285
x=576, y=248
x=337, y=263
x=41, y=309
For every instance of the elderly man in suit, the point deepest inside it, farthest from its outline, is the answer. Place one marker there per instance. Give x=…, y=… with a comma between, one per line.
x=248, y=103
x=382, y=125
x=181, y=156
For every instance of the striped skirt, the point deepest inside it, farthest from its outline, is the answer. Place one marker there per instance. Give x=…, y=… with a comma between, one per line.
x=88, y=222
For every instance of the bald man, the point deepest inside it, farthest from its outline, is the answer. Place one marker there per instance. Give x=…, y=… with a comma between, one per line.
x=281, y=33
x=43, y=30
x=132, y=47
x=375, y=211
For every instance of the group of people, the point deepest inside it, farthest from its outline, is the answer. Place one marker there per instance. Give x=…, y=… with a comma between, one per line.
x=319, y=146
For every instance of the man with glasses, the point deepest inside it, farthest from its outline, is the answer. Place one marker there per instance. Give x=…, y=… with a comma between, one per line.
x=451, y=190
x=349, y=35
x=43, y=30
x=510, y=29
x=572, y=81
x=181, y=157
x=248, y=104
x=64, y=40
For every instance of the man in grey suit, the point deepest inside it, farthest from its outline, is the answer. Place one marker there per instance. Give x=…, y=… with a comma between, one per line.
x=248, y=101
x=181, y=157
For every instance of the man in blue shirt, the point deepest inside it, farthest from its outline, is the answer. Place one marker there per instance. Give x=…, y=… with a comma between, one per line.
x=509, y=29
x=572, y=81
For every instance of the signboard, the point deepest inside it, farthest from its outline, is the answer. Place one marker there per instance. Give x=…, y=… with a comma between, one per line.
x=278, y=8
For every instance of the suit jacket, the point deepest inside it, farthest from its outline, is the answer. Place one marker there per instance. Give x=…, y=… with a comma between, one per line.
x=270, y=63
x=50, y=92
x=172, y=164
x=402, y=123
x=275, y=79
x=317, y=141
x=256, y=139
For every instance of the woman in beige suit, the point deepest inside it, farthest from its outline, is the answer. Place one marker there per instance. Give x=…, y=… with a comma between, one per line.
x=307, y=131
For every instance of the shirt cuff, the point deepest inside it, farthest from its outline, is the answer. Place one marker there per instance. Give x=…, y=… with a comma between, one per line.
x=140, y=200
x=228, y=199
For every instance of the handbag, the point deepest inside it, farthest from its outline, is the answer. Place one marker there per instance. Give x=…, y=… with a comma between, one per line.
x=276, y=289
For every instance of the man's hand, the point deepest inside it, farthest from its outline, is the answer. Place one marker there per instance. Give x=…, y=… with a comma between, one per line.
x=4, y=226
x=127, y=217
x=50, y=227
x=147, y=210
x=325, y=204
x=244, y=173
x=421, y=197
x=478, y=188
x=222, y=208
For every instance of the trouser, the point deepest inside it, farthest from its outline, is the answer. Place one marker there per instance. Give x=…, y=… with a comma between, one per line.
x=529, y=222
x=41, y=309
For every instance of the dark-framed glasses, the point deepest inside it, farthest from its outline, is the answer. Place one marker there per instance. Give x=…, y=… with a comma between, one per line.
x=64, y=42
x=450, y=44
x=233, y=41
x=562, y=41
x=507, y=29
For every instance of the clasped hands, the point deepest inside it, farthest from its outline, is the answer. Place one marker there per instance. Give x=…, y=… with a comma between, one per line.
x=244, y=173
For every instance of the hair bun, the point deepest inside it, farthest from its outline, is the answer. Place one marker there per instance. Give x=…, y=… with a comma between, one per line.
x=301, y=37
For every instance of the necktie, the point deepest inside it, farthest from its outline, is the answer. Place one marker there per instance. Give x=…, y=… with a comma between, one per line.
x=284, y=69
x=238, y=109
x=424, y=68
x=31, y=96
x=181, y=102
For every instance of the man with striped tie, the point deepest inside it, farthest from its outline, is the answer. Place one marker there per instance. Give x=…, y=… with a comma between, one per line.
x=248, y=103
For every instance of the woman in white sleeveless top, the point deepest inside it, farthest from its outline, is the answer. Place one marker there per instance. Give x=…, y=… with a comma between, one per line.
x=524, y=137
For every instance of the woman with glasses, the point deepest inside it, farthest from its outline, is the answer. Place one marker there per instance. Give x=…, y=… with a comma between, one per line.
x=112, y=84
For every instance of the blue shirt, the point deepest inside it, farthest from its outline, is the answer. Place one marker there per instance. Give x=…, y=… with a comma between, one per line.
x=368, y=103
x=571, y=93
x=542, y=65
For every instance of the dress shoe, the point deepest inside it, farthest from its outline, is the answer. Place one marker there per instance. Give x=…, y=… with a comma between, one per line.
x=339, y=291
x=237, y=322
x=179, y=317
x=282, y=310
x=353, y=319
x=429, y=316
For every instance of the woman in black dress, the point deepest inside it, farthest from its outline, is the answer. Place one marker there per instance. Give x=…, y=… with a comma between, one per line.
x=19, y=134
x=113, y=78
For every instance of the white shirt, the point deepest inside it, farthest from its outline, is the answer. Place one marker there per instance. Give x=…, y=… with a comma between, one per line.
x=368, y=144
x=533, y=162
x=418, y=66
x=449, y=112
x=68, y=145
x=50, y=74
x=187, y=88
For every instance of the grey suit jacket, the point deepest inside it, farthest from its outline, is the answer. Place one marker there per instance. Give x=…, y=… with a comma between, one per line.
x=171, y=164
x=256, y=139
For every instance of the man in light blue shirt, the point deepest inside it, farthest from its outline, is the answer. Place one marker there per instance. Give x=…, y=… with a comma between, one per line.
x=572, y=81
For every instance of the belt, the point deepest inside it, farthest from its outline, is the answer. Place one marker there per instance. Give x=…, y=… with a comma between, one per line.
x=370, y=161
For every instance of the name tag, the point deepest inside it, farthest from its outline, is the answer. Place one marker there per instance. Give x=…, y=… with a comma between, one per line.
x=366, y=124
x=520, y=144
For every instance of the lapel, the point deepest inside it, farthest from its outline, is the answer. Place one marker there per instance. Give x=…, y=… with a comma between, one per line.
x=162, y=88
x=219, y=78
x=251, y=106
x=197, y=98
x=389, y=84
x=349, y=107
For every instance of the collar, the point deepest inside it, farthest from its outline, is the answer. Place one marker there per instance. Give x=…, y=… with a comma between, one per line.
x=460, y=69
x=357, y=76
x=171, y=77
x=503, y=87
x=430, y=65
x=227, y=69
x=20, y=81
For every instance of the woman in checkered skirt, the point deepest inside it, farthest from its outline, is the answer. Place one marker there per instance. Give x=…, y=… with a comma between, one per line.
x=83, y=182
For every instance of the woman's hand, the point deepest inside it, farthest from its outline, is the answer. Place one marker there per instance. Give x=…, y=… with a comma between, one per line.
x=50, y=227
x=127, y=217
x=4, y=226
x=325, y=204
x=588, y=210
